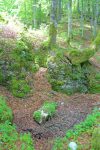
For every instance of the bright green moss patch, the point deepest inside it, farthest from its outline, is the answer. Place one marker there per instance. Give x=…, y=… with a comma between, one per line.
x=5, y=111
x=45, y=112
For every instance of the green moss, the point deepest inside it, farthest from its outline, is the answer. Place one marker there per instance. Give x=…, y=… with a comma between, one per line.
x=37, y=115
x=96, y=139
x=50, y=107
x=78, y=57
x=5, y=111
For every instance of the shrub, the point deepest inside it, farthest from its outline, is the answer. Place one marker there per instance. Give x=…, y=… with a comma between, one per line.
x=5, y=111
x=95, y=84
x=19, y=87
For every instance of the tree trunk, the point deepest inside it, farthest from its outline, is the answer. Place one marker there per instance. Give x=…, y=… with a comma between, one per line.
x=69, y=20
x=59, y=10
x=34, y=14
x=53, y=24
x=82, y=20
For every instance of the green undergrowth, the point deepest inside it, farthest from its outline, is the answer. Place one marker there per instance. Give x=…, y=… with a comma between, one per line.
x=5, y=111
x=85, y=127
x=17, y=65
x=10, y=139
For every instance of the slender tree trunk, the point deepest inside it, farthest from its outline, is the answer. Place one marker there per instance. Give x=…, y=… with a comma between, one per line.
x=69, y=20
x=53, y=23
x=96, y=11
x=82, y=20
x=34, y=14
x=59, y=10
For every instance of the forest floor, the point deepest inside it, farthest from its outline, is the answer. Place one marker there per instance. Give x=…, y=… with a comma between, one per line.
x=71, y=110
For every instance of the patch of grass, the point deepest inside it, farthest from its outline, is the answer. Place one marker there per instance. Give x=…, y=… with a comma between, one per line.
x=5, y=111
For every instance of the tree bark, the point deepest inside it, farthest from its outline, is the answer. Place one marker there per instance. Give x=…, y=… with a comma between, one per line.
x=53, y=23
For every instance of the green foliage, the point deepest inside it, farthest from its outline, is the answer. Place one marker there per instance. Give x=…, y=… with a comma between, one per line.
x=96, y=139
x=40, y=58
x=50, y=107
x=27, y=142
x=8, y=136
x=5, y=111
x=85, y=125
x=95, y=84
x=19, y=87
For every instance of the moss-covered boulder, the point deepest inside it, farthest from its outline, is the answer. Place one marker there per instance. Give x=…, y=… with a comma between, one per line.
x=5, y=111
x=96, y=139
x=80, y=56
x=45, y=112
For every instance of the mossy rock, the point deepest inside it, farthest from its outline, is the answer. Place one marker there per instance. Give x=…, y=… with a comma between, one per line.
x=45, y=112
x=5, y=111
x=80, y=56
x=96, y=139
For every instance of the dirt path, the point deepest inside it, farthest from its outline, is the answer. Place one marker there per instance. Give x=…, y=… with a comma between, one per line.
x=71, y=110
